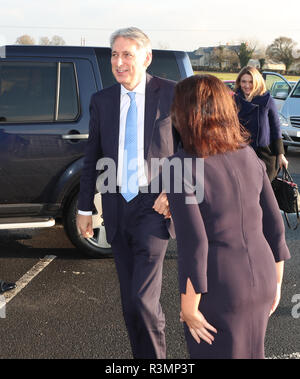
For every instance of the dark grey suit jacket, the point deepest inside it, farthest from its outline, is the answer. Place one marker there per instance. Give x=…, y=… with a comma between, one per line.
x=160, y=139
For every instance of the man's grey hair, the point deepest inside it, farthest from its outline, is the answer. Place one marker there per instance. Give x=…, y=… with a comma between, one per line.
x=132, y=33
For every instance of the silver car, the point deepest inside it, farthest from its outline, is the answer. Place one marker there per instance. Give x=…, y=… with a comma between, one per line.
x=289, y=116
x=288, y=105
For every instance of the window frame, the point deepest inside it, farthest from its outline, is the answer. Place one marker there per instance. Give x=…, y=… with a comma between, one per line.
x=58, y=88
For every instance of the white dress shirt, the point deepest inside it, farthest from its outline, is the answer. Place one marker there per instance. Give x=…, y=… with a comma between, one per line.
x=124, y=105
x=140, y=90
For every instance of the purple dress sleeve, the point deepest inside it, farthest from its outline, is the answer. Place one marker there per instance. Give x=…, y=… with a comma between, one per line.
x=273, y=225
x=192, y=242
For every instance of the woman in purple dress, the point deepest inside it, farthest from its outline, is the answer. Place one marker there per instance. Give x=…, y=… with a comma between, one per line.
x=231, y=241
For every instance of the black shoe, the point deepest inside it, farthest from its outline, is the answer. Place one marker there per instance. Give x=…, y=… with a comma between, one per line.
x=6, y=286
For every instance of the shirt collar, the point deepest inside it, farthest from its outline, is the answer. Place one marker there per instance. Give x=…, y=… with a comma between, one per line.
x=140, y=88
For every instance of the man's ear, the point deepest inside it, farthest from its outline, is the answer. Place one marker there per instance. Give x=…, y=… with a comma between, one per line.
x=148, y=59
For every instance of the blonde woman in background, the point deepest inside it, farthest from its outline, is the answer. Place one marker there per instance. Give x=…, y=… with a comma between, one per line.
x=258, y=114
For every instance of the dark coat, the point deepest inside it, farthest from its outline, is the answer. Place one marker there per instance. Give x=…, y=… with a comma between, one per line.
x=260, y=118
x=160, y=139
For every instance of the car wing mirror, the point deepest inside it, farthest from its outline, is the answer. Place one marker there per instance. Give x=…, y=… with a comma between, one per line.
x=281, y=95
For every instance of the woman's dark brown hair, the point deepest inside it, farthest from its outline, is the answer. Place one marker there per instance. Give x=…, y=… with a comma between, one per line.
x=205, y=115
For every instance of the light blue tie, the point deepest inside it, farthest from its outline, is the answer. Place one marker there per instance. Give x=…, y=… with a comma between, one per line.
x=130, y=187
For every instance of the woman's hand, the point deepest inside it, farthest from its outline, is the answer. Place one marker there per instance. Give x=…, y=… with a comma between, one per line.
x=282, y=161
x=279, y=274
x=198, y=326
x=191, y=315
x=276, y=300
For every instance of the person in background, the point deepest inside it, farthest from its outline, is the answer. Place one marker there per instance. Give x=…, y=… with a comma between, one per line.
x=257, y=112
x=231, y=245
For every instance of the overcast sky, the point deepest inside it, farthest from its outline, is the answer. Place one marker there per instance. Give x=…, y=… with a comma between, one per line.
x=172, y=24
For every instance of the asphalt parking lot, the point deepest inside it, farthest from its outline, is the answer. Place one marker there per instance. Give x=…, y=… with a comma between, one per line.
x=67, y=305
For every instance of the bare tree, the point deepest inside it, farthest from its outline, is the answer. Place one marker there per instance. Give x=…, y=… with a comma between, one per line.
x=25, y=40
x=260, y=55
x=57, y=41
x=282, y=51
x=232, y=59
x=44, y=41
x=225, y=57
x=162, y=45
x=218, y=56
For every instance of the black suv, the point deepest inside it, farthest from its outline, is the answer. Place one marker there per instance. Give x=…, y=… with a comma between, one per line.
x=45, y=93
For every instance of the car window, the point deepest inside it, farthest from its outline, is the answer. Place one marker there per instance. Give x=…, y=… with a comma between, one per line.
x=164, y=65
x=28, y=92
x=296, y=92
x=68, y=94
x=279, y=89
x=275, y=85
x=271, y=81
x=103, y=58
x=230, y=84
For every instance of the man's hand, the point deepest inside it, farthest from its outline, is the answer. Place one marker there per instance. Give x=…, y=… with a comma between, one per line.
x=85, y=226
x=161, y=205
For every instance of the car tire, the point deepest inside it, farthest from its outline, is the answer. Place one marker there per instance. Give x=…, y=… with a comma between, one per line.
x=97, y=246
x=285, y=149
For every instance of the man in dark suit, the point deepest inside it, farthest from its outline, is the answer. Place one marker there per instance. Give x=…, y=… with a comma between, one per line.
x=132, y=120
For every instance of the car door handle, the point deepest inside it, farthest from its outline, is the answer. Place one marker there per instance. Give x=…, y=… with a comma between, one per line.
x=75, y=136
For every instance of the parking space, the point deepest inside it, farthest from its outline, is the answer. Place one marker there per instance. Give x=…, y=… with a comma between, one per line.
x=71, y=308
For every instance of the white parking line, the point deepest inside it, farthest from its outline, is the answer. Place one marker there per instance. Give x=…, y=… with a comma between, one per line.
x=26, y=278
x=286, y=356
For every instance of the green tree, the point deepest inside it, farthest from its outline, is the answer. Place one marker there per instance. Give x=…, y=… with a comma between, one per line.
x=244, y=52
